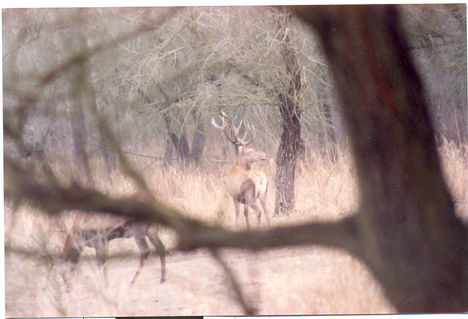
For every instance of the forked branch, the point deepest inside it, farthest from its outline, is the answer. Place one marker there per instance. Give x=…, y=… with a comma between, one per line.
x=192, y=234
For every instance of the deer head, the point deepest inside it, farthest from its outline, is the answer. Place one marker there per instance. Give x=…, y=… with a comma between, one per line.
x=245, y=156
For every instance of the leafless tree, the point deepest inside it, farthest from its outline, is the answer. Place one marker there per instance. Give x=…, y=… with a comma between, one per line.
x=291, y=144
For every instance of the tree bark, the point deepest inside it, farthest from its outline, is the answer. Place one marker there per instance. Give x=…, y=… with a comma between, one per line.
x=291, y=143
x=411, y=239
x=77, y=128
x=108, y=156
x=186, y=154
x=181, y=147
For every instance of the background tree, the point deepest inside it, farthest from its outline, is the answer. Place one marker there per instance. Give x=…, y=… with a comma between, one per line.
x=291, y=144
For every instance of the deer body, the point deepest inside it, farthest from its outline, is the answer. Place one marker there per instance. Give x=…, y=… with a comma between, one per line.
x=98, y=239
x=241, y=181
x=245, y=185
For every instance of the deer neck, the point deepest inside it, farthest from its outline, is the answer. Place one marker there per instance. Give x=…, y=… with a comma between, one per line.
x=242, y=162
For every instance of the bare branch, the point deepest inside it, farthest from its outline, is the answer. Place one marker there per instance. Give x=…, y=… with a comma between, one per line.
x=192, y=234
x=54, y=198
x=340, y=234
x=86, y=54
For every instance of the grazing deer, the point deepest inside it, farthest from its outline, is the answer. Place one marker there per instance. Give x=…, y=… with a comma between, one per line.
x=81, y=237
x=244, y=184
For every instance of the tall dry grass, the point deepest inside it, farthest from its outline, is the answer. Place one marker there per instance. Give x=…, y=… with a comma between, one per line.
x=310, y=280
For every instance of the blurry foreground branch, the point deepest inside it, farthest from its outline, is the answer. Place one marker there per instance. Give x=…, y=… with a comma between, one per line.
x=54, y=199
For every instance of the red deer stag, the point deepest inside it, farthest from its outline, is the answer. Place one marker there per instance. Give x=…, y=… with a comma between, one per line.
x=98, y=238
x=244, y=184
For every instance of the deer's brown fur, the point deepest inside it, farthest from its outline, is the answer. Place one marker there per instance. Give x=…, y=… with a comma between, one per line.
x=246, y=186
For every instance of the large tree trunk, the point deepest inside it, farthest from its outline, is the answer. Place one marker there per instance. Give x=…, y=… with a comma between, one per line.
x=412, y=240
x=179, y=142
x=291, y=143
x=109, y=158
x=77, y=128
x=181, y=147
x=76, y=112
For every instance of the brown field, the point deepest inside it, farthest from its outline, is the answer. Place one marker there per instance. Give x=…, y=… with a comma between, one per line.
x=311, y=280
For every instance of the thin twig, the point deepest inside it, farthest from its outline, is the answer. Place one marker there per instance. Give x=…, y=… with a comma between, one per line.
x=82, y=56
x=30, y=97
x=234, y=283
x=192, y=234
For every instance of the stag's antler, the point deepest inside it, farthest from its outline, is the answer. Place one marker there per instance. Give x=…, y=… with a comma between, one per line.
x=248, y=130
x=227, y=124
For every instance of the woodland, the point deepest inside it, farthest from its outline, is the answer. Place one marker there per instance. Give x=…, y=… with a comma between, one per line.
x=359, y=114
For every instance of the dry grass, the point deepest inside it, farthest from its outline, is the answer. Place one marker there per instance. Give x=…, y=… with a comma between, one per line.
x=285, y=281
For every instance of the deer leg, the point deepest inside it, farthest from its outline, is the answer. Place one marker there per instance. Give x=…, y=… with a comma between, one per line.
x=66, y=273
x=161, y=251
x=71, y=249
x=263, y=204
x=236, y=207
x=101, y=250
x=246, y=214
x=101, y=246
x=144, y=253
x=71, y=255
x=257, y=211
